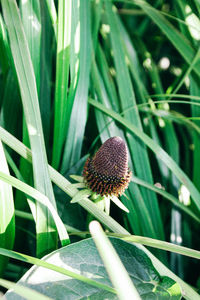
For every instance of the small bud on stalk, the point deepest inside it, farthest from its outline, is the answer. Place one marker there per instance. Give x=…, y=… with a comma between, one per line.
x=107, y=173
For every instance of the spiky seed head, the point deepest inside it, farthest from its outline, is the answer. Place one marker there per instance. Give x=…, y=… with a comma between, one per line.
x=107, y=173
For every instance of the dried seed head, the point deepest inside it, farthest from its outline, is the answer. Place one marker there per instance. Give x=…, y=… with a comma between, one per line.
x=107, y=172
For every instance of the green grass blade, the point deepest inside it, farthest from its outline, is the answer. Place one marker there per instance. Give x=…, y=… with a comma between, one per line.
x=77, y=123
x=164, y=246
x=31, y=20
x=105, y=125
x=46, y=66
x=107, y=129
x=183, y=178
x=195, y=90
x=137, y=149
x=62, y=77
x=116, y=270
x=7, y=217
x=46, y=237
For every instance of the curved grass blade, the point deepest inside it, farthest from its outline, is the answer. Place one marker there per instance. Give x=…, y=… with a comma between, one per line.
x=137, y=208
x=138, y=150
x=41, y=198
x=163, y=245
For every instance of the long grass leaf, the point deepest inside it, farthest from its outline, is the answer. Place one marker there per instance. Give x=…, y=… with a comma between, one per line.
x=137, y=148
x=7, y=217
x=77, y=123
x=116, y=270
x=62, y=76
x=40, y=198
x=46, y=238
x=64, y=271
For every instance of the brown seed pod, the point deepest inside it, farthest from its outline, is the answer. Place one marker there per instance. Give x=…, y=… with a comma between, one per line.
x=107, y=173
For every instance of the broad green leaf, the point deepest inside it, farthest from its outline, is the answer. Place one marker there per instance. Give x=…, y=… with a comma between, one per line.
x=83, y=258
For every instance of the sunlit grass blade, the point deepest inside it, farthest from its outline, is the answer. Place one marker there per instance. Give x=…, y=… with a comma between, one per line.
x=46, y=236
x=23, y=291
x=62, y=77
x=138, y=150
x=163, y=245
x=78, y=117
x=31, y=20
x=7, y=217
x=46, y=65
x=183, y=178
x=116, y=270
